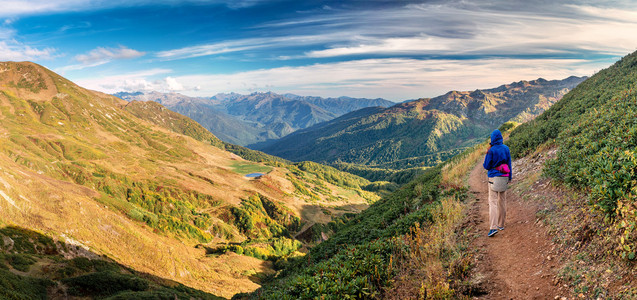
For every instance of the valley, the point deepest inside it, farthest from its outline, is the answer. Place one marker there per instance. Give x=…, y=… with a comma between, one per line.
x=257, y=119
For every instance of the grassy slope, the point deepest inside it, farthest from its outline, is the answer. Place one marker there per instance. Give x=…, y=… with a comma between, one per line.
x=77, y=167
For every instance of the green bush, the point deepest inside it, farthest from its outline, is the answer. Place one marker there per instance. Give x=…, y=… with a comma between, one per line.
x=28, y=242
x=82, y=263
x=13, y=286
x=20, y=262
x=178, y=292
x=104, y=283
x=599, y=153
x=507, y=126
x=261, y=218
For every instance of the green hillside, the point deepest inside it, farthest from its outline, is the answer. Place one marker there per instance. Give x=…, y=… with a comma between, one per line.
x=162, y=196
x=594, y=129
x=424, y=132
x=160, y=115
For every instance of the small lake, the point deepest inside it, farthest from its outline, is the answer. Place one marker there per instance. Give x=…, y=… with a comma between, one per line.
x=251, y=175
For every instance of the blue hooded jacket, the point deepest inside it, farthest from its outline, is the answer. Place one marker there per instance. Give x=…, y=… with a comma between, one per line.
x=497, y=155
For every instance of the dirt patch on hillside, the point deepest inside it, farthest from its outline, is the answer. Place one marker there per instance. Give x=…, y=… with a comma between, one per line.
x=518, y=262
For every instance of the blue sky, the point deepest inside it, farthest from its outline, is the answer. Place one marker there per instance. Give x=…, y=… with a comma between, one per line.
x=396, y=49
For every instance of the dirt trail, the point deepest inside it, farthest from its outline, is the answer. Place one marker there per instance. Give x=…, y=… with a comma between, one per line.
x=518, y=262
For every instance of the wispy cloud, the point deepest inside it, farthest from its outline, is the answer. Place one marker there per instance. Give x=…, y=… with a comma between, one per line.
x=12, y=8
x=80, y=26
x=245, y=45
x=101, y=54
x=445, y=29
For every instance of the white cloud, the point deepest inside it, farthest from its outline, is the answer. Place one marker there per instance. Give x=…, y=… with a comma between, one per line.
x=148, y=80
x=104, y=55
x=469, y=30
x=416, y=45
x=173, y=85
x=100, y=56
x=246, y=44
x=395, y=79
x=453, y=28
x=16, y=51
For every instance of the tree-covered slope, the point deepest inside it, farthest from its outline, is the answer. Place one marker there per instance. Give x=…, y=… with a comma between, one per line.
x=421, y=132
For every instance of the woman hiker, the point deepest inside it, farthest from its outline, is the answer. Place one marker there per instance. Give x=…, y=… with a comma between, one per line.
x=498, y=163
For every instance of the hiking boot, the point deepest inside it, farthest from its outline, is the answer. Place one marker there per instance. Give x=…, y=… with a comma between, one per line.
x=492, y=232
x=500, y=228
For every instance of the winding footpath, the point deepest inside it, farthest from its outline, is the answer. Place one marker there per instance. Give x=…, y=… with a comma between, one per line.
x=518, y=262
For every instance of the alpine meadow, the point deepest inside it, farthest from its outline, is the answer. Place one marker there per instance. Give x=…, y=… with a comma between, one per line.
x=323, y=149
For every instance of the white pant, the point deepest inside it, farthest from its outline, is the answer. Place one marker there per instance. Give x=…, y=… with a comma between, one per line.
x=497, y=208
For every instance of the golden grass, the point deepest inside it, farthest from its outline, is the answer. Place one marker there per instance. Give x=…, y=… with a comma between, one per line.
x=432, y=254
x=455, y=173
x=434, y=262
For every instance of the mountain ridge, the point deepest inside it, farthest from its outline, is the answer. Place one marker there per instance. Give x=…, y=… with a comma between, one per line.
x=415, y=130
x=256, y=119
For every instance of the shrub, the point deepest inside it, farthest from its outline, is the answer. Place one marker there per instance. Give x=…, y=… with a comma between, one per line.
x=104, y=284
x=20, y=262
x=13, y=286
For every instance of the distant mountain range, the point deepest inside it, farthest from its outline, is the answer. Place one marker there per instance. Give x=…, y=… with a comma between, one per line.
x=420, y=132
x=259, y=118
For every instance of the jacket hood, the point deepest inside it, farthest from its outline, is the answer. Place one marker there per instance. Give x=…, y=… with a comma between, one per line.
x=496, y=138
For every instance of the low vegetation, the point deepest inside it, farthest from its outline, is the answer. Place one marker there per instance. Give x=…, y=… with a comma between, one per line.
x=593, y=132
